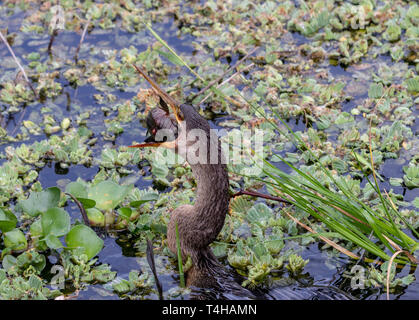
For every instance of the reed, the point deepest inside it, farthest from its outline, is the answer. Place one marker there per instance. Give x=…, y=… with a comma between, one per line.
x=179, y=259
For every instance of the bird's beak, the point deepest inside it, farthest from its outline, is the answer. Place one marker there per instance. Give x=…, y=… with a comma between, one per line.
x=174, y=106
x=169, y=145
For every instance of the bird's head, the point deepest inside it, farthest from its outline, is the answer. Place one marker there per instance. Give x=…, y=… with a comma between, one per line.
x=183, y=130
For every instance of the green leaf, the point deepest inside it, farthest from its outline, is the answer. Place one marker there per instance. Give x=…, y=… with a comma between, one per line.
x=35, y=282
x=146, y=198
x=259, y=214
x=240, y=205
x=375, y=91
x=413, y=85
x=39, y=202
x=171, y=57
x=96, y=217
x=397, y=182
x=344, y=117
x=55, y=221
x=53, y=242
x=125, y=212
x=82, y=236
x=121, y=286
x=2, y=275
x=34, y=56
x=8, y=262
x=36, y=228
x=393, y=32
x=87, y=203
x=7, y=220
x=15, y=240
x=77, y=189
x=33, y=258
x=108, y=194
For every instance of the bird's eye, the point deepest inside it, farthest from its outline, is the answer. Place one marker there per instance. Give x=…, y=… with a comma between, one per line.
x=180, y=115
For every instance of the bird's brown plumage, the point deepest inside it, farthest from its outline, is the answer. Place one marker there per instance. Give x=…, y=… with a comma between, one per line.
x=198, y=224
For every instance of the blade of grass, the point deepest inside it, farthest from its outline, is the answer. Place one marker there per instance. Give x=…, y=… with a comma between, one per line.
x=378, y=189
x=328, y=241
x=179, y=259
x=390, y=263
x=176, y=57
x=173, y=52
x=400, y=216
x=392, y=206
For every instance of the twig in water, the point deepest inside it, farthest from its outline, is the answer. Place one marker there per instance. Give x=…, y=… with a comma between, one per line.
x=211, y=83
x=18, y=64
x=51, y=40
x=328, y=241
x=76, y=56
x=150, y=260
x=259, y=195
x=55, y=24
x=82, y=211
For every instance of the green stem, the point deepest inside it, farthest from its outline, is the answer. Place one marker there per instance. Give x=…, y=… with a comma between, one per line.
x=179, y=259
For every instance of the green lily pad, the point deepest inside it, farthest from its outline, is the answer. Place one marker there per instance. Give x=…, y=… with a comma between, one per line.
x=77, y=189
x=82, y=236
x=39, y=202
x=7, y=220
x=108, y=194
x=55, y=221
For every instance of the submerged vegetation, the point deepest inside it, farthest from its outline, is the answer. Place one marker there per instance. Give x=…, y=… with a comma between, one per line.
x=334, y=86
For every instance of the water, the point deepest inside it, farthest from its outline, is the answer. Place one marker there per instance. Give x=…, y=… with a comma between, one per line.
x=323, y=270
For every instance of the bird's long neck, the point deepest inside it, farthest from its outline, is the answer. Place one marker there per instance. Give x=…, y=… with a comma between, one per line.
x=212, y=196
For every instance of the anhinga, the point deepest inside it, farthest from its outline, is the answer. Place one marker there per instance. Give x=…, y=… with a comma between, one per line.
x=198, y=224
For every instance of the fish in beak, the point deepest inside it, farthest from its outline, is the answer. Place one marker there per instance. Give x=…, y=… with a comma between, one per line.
x=160, y=118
